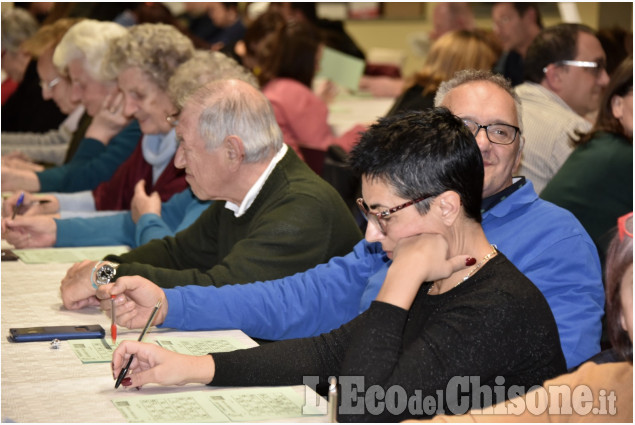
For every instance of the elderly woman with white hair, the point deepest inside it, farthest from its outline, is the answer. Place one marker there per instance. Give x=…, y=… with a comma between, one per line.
x=25, y=109
x=148, y=218
x=142, y=62
x=110, y=138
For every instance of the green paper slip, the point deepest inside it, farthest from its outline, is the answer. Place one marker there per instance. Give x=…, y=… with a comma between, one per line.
x=200, y=346
x=68, y=255
x=100, y=350
x=231, y=405
x=344, y=70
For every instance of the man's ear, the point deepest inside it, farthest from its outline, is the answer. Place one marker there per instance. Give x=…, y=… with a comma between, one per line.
x=234, y=151
x=449, y=204
x=554, y=77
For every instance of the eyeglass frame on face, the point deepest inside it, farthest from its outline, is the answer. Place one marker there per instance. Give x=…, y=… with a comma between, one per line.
x=621, y=226
x=487, y=127
x=383, y=215
x=594, y=67
x=50, y=84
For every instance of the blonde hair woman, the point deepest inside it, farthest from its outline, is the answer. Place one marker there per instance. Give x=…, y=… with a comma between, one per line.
x=454, y=51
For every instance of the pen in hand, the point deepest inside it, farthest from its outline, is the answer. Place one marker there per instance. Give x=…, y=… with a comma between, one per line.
x=18, y=205
x=124, y=371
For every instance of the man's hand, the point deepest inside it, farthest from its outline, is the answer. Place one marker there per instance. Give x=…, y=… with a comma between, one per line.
x=142, y=203
x=135, y=299
x=30, y=232
x=77, y=291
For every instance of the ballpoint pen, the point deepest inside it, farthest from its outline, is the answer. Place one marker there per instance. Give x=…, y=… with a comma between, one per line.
x=18, y=205
x=124, y=371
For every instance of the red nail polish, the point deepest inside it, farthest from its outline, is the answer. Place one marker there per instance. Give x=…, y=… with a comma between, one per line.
x=127, y=381
x=470, y=261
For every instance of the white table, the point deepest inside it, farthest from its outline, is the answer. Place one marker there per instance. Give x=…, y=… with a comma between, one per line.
x=40, y=384
x=347, y=110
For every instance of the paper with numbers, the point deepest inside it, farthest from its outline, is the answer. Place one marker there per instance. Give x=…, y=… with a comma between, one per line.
x=100, y=350
x=239, y=405
x=200, y=346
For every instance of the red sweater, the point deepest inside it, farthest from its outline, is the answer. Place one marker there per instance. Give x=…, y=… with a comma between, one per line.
x=116, y=193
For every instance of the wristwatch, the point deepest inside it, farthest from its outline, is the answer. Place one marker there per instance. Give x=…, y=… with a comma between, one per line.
x=105, y=274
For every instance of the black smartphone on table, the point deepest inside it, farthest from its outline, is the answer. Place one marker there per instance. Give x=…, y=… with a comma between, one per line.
x=49, y=333
x=8, y=255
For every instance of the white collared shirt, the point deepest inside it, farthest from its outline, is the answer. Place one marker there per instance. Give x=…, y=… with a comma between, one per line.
x=255, y=189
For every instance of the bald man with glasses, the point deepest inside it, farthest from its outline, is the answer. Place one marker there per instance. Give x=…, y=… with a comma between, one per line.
x=565, y=74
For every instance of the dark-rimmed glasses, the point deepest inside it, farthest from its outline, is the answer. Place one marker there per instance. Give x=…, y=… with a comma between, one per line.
x=501, y=134
x=623, y=224
x=379, y=218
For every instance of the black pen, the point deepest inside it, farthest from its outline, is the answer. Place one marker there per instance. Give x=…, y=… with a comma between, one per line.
x=124, y=371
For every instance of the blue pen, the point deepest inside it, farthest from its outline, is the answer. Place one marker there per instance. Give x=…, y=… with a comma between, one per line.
x=18, y=205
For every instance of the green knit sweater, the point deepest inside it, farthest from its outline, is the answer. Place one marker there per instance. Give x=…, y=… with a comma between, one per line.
x=296, y=222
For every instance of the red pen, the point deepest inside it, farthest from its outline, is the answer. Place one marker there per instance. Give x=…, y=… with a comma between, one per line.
x=113, y=326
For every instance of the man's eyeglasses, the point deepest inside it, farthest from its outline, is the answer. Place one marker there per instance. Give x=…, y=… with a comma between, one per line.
x=594, y=67
x=49, y=85
x=379, y=218
x=625, y=226
x=501, y=134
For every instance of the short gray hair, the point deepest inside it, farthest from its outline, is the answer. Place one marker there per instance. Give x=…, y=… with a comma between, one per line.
x=88, y=41
x=157, y=49
x=18, y=25
x=233, y=107
x=203, y=67
x=473, y=75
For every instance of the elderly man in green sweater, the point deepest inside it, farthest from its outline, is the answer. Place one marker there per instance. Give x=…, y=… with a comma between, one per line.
x=278, y=217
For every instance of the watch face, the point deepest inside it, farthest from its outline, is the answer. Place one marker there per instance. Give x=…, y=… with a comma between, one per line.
x=105, y=274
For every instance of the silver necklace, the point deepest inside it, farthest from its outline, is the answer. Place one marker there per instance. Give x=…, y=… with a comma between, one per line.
x=474, y=269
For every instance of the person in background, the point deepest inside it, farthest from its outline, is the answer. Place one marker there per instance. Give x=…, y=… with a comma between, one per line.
x=196, y=19
x=227, y=19
x=564, y=79
x=285, y=57
x=27, y=150
x=595, y=183
x=446, y=17
x=278, y=217
x=544, y=241
x=453, y=52
x=142, y=62
x=148, y=218
x=109, y=139
x=331, y=32
x=25, y=110
x=438, y=312
x=617, y=43
x=516, y=24
x=610, y=384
